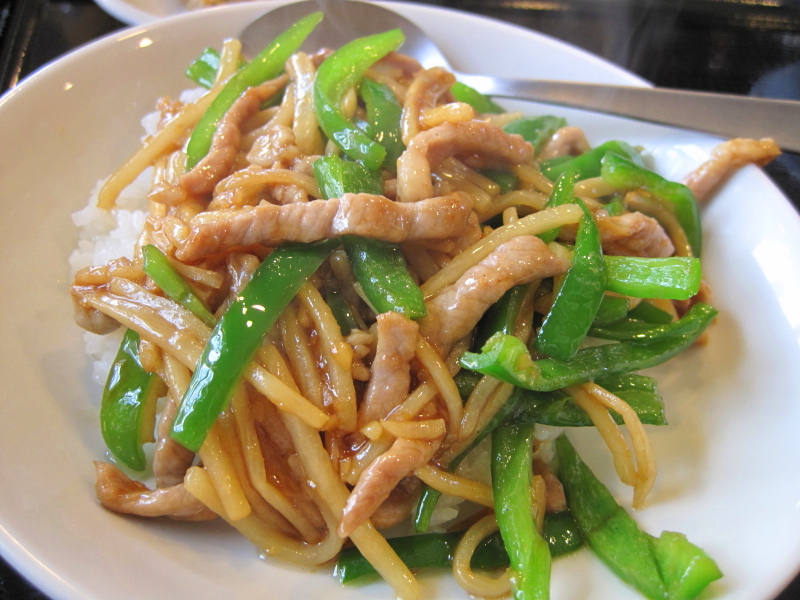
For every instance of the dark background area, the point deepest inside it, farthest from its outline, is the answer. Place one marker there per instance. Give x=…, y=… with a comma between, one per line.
x=735, y=46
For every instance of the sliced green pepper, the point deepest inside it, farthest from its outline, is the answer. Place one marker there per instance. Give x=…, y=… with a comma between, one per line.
x=383, y=119
x=203, y=70
x=501, y=316
x=667, y=568
x=612, y=308
x=342, y=70
x=341, y=311
x=128, y=406
x=645, y=311
x=507, y=181
x=267, y=65
x=635, y=331
x=576, y=303
x=588, y=164
x=239, y=333
x=536, y=130
x=435, y=550
x=670, y=278
x=158, y=268
x=562, y=193
x=378, y=266
x=480, y=102
x=529, y=555
x=622, y=174
x=507, y=358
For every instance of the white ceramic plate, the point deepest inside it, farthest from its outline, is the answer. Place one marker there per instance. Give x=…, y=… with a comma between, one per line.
x=729, y=473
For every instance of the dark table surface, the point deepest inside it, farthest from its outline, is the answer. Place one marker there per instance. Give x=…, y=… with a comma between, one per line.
x=737, y=46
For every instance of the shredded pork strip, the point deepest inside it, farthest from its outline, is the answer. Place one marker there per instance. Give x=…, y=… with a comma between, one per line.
x=726, y=159
x=219, y=161
x=428, y=149
x=170, y=460
x=628, y=234
x=117, y=492
x=391, y=368
x=457, y=308
x=424, y=92
x=359, y=214
x=567, y=141
x=381, y=477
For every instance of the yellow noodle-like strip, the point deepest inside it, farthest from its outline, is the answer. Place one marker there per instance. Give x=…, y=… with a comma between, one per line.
x=254, y=462
x=373, y=430
x=303, y=361
x=269, y=541
x=452, y=112
x=306, y=131
x=168, y=139
x=229, y=59
x=474, y=405
x=245, y=184
x=594, y=187
x=640, y=441
x=536, y=223
x=529, y=198
x=608, y=430
x=320, y=470
x=429, y=429
x=474, y=583
x=220, y=469
x=170, y=338
x=533, y=176
x=414, y=402
x=448, y=390
x=338, y=357
x=455, y=485
x=539, y=497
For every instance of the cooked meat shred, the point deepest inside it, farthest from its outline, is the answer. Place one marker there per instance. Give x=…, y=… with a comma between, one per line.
x=628, y=234
x=391, y=368
x=427, y=89
x=360, y=214
x=118, y=492
x=380, y=478
x=725, y=160
x=221, y=157
x=428, y=149
x=567, y=141
x=457, y=308
x=170, y=460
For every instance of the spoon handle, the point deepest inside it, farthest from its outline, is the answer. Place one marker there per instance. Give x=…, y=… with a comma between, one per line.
x=722, y=114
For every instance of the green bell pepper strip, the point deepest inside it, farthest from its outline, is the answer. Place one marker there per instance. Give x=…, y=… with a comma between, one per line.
x=554, y=408
x=480, y=102
x=536, y=130
x=383, y=119
x=645, y=311
x=435, y=550
x=336, y=177
x=670, y=278
x=634, y=331
x=507, y=181
x=506, y=358
x=239, y=333
x=612, y=308
x=576, y=303
x=588, y=164
x=665, y=568
x=341, y=312
x=158, y=268
x=562, y=193
x=429, y=496
x=128, y=405
x=501, y=316
x=267, y=65
x=340, y=71
x=622, y=174
x=378, y=266
x=203, y=70
x=529, y=554
x=615, y=206
x=557, y=409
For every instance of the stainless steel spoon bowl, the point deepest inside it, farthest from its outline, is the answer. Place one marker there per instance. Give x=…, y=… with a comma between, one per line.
x=722, y=114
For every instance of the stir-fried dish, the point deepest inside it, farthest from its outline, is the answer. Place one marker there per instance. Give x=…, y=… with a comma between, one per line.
x=362, y=296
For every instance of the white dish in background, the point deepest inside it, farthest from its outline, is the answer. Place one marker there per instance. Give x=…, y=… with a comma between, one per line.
x=139, y=12
x=729, y=463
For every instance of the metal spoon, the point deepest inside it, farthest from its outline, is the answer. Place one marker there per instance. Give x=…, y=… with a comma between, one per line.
x=723, y=114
